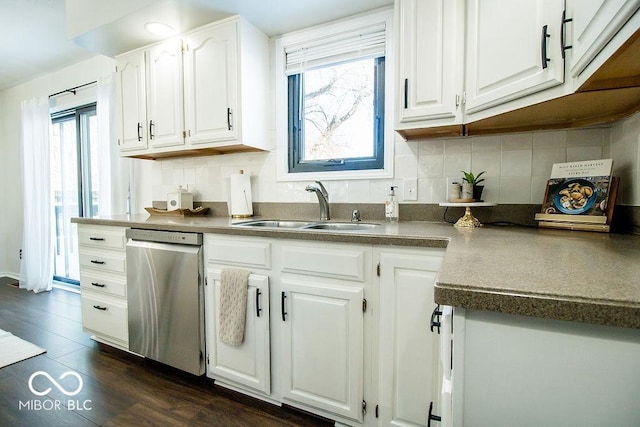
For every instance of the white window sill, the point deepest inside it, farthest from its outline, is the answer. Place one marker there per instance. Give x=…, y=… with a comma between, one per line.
x=336, y=175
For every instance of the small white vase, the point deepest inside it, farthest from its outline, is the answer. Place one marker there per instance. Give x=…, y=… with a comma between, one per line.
x=467, y=191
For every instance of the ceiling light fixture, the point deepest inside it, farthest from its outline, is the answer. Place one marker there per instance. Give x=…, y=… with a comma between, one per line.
x=159, y=29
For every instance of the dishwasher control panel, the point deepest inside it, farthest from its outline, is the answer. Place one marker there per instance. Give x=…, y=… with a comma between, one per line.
x=161, y=236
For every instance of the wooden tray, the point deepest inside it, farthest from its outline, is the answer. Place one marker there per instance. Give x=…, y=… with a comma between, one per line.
x=199, y=211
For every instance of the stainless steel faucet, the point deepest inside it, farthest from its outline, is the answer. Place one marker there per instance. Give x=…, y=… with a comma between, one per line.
x=323, y=199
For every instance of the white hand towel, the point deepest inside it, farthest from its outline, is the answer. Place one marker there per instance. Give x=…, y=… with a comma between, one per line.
x=234, y=283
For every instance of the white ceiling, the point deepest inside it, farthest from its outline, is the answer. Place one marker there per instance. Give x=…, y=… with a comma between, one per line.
x=34, y=32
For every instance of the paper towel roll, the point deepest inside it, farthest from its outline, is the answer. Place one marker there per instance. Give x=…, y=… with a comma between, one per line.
x=241, y=203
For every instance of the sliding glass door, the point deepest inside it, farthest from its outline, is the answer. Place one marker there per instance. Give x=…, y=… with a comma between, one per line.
x=74, y=181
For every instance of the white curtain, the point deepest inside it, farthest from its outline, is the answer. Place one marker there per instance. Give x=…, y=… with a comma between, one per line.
x=36, y=270
x=114, y=196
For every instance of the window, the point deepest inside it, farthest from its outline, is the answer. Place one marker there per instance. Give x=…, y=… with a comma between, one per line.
x=74, y=183
x=335, y=101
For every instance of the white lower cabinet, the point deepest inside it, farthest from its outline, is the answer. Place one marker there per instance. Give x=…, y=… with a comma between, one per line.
x=409, y=351
x=323, y=287
x=103, y=283
x=246, y=367
x=249, y=363
x=322, y=346
x=524, y=371
x=105, y=316
x=338, y=341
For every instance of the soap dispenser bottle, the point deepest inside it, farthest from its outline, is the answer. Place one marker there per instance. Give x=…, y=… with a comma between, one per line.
x=391, y=206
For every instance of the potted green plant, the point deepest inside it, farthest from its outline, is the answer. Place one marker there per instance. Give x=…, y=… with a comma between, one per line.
x=474, y=181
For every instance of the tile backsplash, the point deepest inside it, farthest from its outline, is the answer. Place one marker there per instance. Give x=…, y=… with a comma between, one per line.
x=517, y=167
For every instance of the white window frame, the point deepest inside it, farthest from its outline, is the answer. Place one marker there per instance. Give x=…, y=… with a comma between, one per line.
x=384, y=15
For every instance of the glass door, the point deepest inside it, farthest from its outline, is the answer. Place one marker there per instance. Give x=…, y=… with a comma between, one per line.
x=74, y=182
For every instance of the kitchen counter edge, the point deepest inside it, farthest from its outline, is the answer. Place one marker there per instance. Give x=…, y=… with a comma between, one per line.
x=466, y=286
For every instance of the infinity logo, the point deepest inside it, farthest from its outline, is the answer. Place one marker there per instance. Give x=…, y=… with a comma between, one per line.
x=55, y=383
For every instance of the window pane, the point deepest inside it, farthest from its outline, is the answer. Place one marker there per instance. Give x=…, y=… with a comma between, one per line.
x=339, y=111
x=65, y=187
x=90, y=167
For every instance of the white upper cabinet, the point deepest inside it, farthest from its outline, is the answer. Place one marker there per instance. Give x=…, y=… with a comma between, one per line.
x=513, y=50
x=132, y=94
x=593, y=24
x=430, y=61
x=204, y=93
x=164, y=94
x=211, y=83
x=513, y=57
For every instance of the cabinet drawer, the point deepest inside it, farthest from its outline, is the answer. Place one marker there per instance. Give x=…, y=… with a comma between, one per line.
x=102, y=237
x=105, y=261
x=239, y=252
x=345, y=264
x=103, y=283
x=105, y=316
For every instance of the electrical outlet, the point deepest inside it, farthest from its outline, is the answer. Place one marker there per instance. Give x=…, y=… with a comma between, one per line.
x=410, y=189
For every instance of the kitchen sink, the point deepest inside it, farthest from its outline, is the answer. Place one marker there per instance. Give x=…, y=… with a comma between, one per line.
x=342, y=226
x=276, y=223
x=308, y=225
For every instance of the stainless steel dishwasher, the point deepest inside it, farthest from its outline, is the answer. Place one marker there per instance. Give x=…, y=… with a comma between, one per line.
x=165, y=297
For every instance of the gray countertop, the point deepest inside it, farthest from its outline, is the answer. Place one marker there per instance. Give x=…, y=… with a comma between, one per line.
x=557, y=274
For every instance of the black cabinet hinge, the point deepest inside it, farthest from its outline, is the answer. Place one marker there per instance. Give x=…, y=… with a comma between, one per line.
x=364, y=305
x=378, y=269
x=364, y=408
x=377, y=410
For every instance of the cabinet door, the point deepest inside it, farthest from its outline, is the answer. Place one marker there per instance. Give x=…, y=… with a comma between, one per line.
x=165, y=94
x=430, y=60
x=594, y=23
x=323, y=346
x=513, y=50
x=408, y=349
x=249, y=363
x=133, y=112
x=211, y=84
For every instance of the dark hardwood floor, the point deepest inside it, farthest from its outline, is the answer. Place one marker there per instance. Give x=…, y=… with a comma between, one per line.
x=118, y=389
